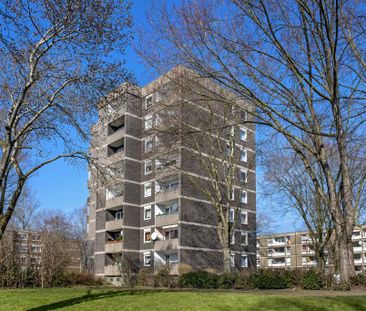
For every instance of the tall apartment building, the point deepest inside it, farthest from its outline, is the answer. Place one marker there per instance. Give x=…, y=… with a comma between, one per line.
x=148, y=207
x=295, y=250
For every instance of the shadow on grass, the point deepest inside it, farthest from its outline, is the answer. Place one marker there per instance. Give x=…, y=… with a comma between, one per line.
x=89, y=296
x=352, y=303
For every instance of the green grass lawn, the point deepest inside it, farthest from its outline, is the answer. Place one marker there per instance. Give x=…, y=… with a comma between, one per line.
x=153, y=300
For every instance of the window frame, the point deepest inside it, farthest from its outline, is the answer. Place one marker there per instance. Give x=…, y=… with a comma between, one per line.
x=245, y=201
x=146, y=208
x=246, y=261
x=147, y=231
x=147, y=185
x=232, y=260
x=147, y=254
x=243, y=212
x=245, y=136
x=148, y=122
x=231, y=215
x=146, y=141
x=244, y=155
x=242, y=234
x=148, y=99
x=246, y=175
x=146, y=164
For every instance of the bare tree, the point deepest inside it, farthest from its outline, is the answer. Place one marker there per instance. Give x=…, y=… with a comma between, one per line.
x=56, y=60
x=291, y=188
x=301, y=64
x=24, y=215
x=79, y=232
x=55, y=255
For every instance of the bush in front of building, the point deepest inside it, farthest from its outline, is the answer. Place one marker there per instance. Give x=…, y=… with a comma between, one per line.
x=359, y=280
x=312, y=279
x=199, y=279
x=271, y=279
x=75, y=279
x=227, y=280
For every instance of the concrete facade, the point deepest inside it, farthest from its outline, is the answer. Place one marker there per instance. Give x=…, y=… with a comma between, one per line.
x=148, y=208
x=295, y=250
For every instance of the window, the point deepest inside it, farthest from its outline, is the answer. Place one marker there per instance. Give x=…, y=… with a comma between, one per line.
x=243, y=176
x=231, y=215
x=147, y=259
x=149, y=142
x=171, y=258
x=23, y=248
x=243, y=217
x=228, y=150
x=244, y=115
x=23, y=236
x=147, y=212
x=244, y=155
x=148, y=102
x=147, y=190
x=243, y=134
x=119, y=215
x=244, y=261
x=232, y=239
x=147, y=235
x=148, y=122
x=171, y=233
x=232, y=260
x=243, y=197
x=23, y=260
x=148, y=167
x=36, y=249
x=232, y=195
x=36, y=237
x=244, y=238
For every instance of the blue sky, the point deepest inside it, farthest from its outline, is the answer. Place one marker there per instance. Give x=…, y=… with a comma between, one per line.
x=62, y=186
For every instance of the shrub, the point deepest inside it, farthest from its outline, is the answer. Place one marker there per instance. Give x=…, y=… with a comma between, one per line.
x=199, y=279
x=227, y=280
x=245, y=280
x=76, y=279
x=145, y=277
x=359, y=280
x=312, y=279
x=271, y=279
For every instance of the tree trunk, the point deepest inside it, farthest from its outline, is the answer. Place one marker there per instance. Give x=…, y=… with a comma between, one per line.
x=226, y=259
x=345, y=251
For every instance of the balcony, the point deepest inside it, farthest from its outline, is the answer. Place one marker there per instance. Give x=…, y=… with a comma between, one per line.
x=166, y=219
x=113, y=247
x=163, y=245
x=356, y=236
x=113, y=224
x=168, y=194
x=357, y=249
x=117, y=135
x=114, y=202
x=112, y=270
x=281, y=264
x=309, y=264
x=277, y=254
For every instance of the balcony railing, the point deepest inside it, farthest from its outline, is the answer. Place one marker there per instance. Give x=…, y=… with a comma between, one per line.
x=117, y=135
x=112, y=270
x=166, y=219
x=113, y=246
x=114, y=224
x=161, y=245
x=167, y=194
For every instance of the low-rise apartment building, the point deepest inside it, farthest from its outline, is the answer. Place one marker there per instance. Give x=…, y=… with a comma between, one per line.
x=295, y=250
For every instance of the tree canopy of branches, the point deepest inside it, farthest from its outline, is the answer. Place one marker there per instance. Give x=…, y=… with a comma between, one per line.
x=302, y=64
x=56, y=59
